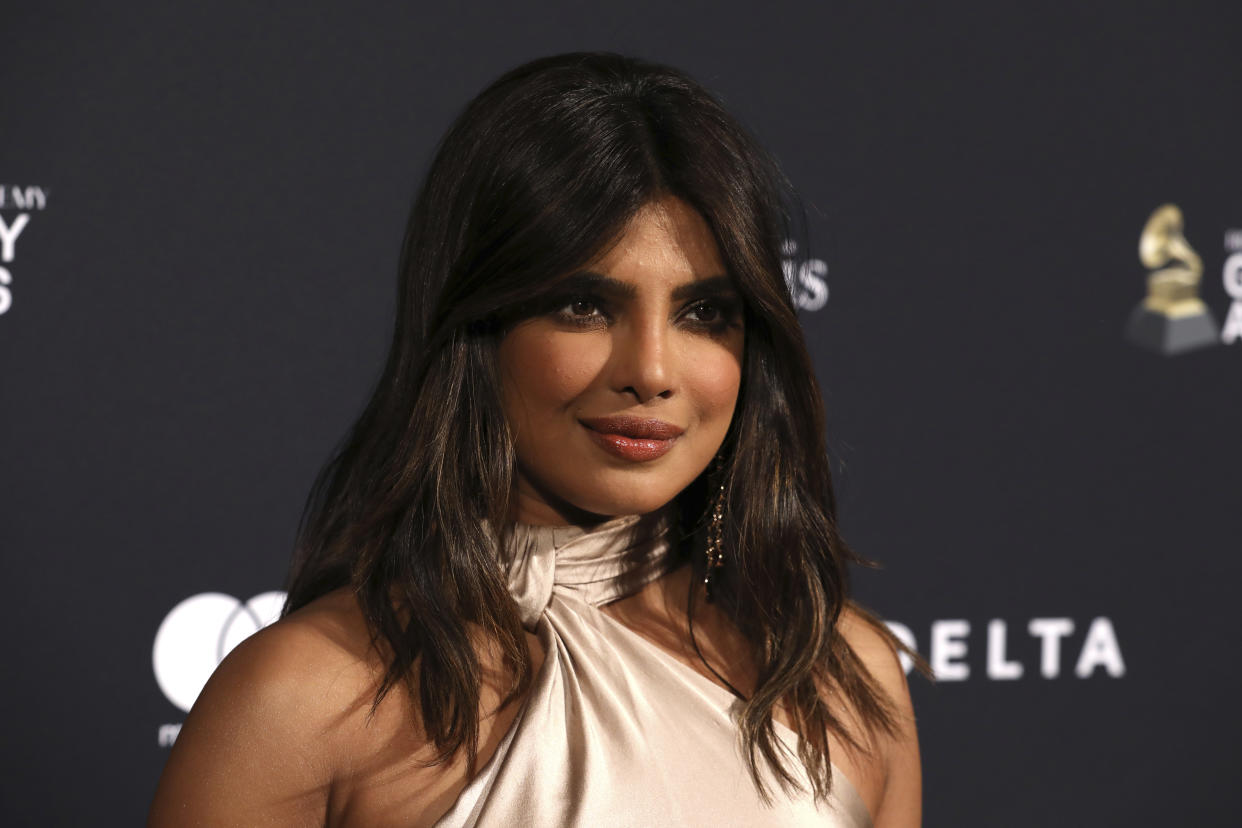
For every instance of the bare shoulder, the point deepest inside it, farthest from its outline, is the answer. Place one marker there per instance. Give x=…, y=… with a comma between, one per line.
x=286, y=733
x=263, y=741
x=899, y=800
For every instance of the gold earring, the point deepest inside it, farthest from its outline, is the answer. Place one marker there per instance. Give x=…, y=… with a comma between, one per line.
x=715, y=532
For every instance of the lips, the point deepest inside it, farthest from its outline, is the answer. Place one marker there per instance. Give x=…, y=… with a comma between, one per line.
x=637, y=428
x=636, y=439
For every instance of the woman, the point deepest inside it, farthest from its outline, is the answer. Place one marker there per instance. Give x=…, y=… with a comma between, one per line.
x=577, y=562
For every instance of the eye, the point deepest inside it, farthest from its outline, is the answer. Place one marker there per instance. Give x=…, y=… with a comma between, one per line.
x=581, y=307
x=583, y=311
x=713, y=315
x=706, y=312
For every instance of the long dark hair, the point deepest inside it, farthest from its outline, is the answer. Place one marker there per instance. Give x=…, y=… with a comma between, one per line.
x=539, y=173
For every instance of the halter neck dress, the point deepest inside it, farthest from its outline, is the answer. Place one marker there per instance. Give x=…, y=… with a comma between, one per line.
x=615, y=731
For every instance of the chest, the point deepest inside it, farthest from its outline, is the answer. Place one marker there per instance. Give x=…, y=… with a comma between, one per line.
x=616, y=723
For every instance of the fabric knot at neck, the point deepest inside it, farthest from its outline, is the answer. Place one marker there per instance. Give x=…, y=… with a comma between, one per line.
x=596, y=564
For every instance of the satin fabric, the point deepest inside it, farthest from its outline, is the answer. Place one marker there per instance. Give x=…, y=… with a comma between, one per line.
x=615, y=731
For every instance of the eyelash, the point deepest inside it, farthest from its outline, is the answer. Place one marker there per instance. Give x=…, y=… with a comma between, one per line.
x=726, y=309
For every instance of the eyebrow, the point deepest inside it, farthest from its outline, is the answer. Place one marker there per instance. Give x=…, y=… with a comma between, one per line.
x=588, y=280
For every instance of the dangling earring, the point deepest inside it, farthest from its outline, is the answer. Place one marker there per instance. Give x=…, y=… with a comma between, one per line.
x=715, y=531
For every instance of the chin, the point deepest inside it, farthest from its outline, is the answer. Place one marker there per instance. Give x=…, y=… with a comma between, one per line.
x=623, y=504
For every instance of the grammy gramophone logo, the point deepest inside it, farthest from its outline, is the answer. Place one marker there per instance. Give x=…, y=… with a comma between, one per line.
x=1172, y=318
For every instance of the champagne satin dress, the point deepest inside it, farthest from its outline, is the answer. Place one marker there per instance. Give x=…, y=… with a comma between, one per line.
x=615, y=731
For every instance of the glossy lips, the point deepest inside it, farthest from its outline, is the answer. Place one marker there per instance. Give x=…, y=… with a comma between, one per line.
x=632, y=438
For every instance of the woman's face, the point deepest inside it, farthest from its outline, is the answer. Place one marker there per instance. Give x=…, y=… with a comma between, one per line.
x=621, y=394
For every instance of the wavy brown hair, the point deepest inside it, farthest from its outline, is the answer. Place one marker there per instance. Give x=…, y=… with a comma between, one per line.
x=541, y=171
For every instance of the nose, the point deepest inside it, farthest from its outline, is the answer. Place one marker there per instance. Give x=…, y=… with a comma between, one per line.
x=642, y=360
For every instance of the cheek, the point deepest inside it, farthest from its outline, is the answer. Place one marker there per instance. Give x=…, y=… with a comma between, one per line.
x=716, y=382
x=541, y=375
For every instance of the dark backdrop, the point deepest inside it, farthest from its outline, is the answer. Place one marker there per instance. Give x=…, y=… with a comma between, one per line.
x=199, y=295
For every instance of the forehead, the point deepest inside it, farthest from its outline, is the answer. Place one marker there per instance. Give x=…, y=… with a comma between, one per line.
x=666, y=239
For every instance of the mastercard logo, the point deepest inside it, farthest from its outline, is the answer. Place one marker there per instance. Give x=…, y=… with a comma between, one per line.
x=199, y=632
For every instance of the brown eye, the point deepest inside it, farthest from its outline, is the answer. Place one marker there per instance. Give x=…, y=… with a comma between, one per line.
x=583, y=311
x=706, y=312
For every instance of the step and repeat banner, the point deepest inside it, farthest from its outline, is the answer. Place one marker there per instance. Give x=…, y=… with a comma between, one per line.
x=1022, y=286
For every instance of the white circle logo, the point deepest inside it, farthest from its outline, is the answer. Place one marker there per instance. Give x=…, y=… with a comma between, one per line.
x=199, y=632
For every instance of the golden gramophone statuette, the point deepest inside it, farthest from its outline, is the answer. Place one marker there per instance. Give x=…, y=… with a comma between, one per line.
x=1172, y=318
